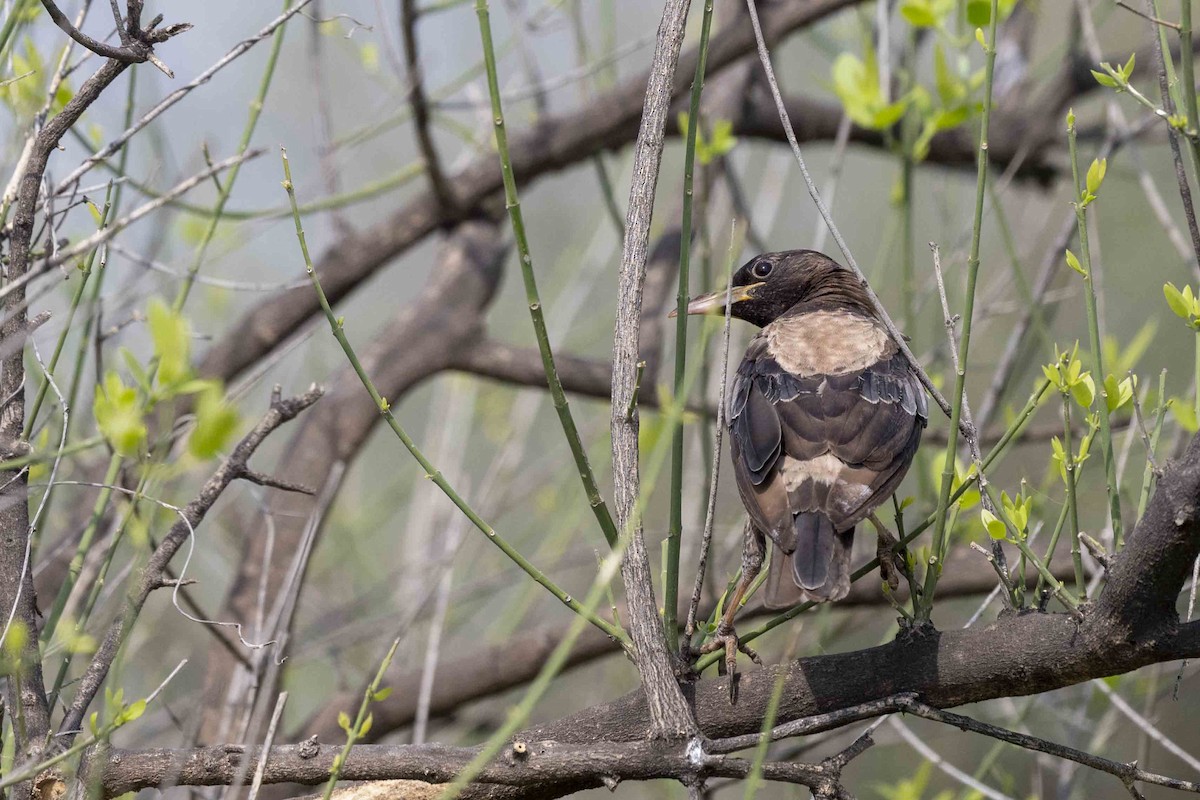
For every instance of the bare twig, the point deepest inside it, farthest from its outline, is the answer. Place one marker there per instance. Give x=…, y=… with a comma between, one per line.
x=174, y=97
x=234, y=467
x=718, y=434
x=419, y=105
x=137, y=44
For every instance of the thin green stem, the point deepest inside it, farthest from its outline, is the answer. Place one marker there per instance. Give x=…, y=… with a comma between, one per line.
x=336, y=325
x=559, y=397
x=1096, y=344
x=93, y=301
x=1023, y=288
x=15, y=17
x=1055, y=534
x=1196, y=376
x=368, y=191
x=85, y=272
x=361, y=723
x=938, y=552
x=518, y=714
x=1187, y=73
x=754, y=780
x=85, y=542
x=1072, y=502
x=1160, y=415
x=256, y=107
x=1045, y=573
x=675, y=521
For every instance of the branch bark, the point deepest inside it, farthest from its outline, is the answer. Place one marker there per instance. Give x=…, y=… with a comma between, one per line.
x=670, y=716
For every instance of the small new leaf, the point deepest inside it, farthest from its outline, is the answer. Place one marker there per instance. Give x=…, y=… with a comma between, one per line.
x=1073, y=263
x=1175, y=299
x=995, y=527
x=1084, y=390
x=1095, y=175
x=344, y=721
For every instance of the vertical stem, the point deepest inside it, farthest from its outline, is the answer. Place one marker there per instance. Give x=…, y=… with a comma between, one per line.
x=85, y=271
x=1072, y=502
x=939, y=531
x=85, y=542
x=1110, y=467
x=1160, y=415
x=256, y=107
x=513, y=203
x=1196, y=376
x=433, y=473
x=675, y=523
x=1187, y=74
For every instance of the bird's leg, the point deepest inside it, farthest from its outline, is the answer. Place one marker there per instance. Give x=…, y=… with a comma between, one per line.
x=726, y=638
x=891, y=564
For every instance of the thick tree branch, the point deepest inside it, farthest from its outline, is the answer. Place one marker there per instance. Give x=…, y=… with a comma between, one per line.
x=527, y=765
x=485, y=673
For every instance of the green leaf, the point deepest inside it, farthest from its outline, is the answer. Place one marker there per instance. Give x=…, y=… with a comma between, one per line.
x=1175, y=299
x=344, y=721
x=1185, y=414
x=133, y=711
x=889, y=115
x=382, y=694
x=1127, y=70
x=995, y=528
x=1073, y=263
x=919, y=14
x=1095, y=174
x=135, y=369
x=172, y=342
x=979, y=38
x=979, y=12
x=1117, y=393
x=1084, y=391
x=118, y=413
x=216, y=421
x=1105, y=80
x=366, y=726
x=1052, y=374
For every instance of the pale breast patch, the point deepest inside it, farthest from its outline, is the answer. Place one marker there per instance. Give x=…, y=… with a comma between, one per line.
x=826, y=342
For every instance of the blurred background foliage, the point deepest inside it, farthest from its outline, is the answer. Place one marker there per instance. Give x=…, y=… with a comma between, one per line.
x=391, y=543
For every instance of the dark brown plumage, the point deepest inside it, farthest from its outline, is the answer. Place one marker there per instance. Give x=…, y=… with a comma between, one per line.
x=825, y=416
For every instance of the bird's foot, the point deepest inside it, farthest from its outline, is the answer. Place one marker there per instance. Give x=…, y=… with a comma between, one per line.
x=726, y=639
x=891, y=563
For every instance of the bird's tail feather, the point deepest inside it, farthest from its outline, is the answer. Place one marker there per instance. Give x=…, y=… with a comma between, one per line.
x=818, y=569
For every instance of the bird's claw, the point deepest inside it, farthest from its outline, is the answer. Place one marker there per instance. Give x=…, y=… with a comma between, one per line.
x=891, y=565
x=726, y=639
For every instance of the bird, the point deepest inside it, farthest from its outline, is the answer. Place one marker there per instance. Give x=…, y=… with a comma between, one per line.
x=824, y=417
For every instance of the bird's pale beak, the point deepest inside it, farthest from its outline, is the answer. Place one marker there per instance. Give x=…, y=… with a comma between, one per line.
x=714, y=302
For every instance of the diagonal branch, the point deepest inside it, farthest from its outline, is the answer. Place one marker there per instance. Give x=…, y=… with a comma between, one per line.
x=234, y=467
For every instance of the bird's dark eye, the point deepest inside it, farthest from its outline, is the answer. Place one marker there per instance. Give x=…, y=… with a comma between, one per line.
x=762, y=269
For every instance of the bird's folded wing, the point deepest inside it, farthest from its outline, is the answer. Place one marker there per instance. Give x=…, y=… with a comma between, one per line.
x=787, y=429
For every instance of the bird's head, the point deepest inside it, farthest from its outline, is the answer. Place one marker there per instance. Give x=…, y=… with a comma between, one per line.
x=767, y=286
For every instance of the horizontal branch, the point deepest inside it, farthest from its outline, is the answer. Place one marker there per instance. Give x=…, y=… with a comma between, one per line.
x=523, y=764
x=513, y=663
